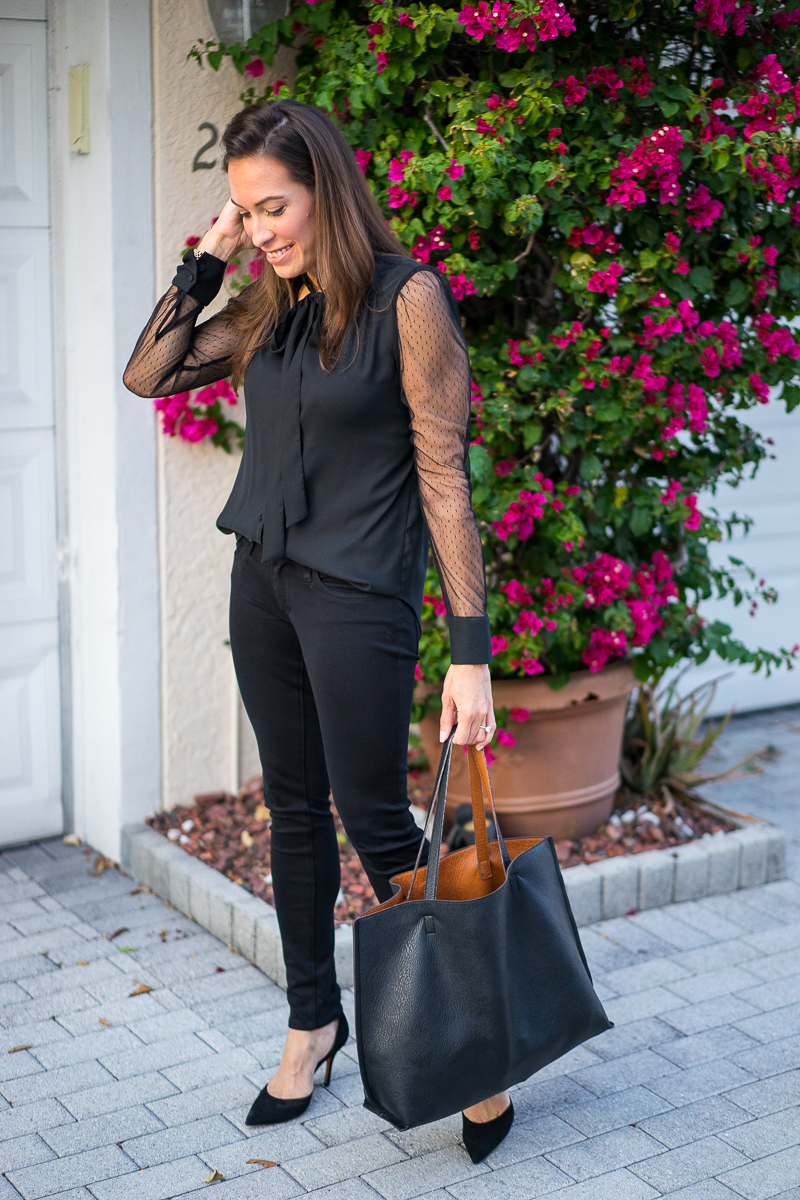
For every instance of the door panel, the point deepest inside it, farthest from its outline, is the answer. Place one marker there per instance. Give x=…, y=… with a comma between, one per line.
x=30, y=772
x=27, y=527
x=23, y=124
x=26, y=373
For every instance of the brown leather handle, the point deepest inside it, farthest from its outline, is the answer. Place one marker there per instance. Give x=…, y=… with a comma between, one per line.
x=481, y=789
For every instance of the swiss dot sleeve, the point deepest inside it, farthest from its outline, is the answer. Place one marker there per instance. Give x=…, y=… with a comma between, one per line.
x=174, y=353
x=434, y=366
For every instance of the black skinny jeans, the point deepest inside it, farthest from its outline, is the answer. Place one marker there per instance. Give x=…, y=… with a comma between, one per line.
x=326, y=673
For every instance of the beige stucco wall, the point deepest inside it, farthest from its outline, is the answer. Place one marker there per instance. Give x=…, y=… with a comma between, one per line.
x=201, y=748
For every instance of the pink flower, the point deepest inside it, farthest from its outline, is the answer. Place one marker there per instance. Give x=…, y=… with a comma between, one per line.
x=504, y=468
x=654, y=162
x=607, y=280
x=197, y=428
x=693, y=520
x=705, y=210
x=519, y=714
x=697, y=407
x=672, y=490
x=256, y=268
x=794, y=211
x=660, y=300
x=398, y=196
x=439, y=606
x=646, y=621
x=505, y=739
x=682, y=267
x=531, y=666
x=418, y=672
x=455, y=170
x=444, y=193
x=362, y=158
x=498, y=645
x=672, y=242
x=770, y=255
x=381, y=59
x=405, y=19
x=528, y=622
x=574, y=91
x=277, y=85
x=375, y=29
x=255, y=68
x=760, y=388
x=516, y=592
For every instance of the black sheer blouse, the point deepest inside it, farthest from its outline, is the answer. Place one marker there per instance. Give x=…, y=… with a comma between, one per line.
x=346, y=471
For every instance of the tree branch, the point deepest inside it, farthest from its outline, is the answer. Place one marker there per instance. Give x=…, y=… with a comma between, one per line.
x=428, y=119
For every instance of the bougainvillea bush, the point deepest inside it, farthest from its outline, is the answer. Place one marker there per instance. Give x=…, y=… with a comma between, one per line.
x=613, y=191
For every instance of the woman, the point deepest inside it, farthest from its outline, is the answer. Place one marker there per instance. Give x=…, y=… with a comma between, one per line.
x=357, y=389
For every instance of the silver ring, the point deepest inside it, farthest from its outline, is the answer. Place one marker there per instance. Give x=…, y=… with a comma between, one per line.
x=486, y=727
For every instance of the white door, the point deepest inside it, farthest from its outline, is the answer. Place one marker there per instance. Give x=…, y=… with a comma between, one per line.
x=30, y=737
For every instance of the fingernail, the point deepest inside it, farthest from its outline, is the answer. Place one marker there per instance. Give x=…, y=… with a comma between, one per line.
x=442, y=736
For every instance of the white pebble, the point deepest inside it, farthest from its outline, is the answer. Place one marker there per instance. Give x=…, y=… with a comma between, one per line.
x=628, y=816
x=268, y=879
x=187, y=826
x=173, y=834
x=614, y=820
x=184, y=840
x=339, y=899
x=650, y=818
x=641, y=810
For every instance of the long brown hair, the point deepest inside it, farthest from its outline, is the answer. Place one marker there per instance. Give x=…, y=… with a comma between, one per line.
x=350, y=227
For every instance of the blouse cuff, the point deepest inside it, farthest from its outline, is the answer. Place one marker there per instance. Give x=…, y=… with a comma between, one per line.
x=470, y=640
x=201, y=278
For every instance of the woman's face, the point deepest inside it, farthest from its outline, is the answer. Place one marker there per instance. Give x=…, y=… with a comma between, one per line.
x=278, y=214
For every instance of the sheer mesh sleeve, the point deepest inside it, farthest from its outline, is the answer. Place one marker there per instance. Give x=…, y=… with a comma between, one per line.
x=174, y=354
x=435, y=372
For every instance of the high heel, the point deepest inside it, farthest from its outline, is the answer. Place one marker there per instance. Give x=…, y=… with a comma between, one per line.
x=271, y=1110
x=482, y=1137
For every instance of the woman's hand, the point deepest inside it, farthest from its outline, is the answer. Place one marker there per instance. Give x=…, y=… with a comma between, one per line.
x=226, y=235
x=467, y=697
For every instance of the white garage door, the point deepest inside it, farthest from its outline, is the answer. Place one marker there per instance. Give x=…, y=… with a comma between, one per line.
x=772, y=548
x=30, y=753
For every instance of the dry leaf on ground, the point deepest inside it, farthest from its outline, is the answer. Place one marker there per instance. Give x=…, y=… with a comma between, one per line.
x=137, y=890
x=117, y=932
x=24, y=1046
x=140, y=990
x=214, y=1177
x=261, y=813
x=262, y=1162
x=71, y=839
x=103, y=1022
x=100, y=864
x=82, y=962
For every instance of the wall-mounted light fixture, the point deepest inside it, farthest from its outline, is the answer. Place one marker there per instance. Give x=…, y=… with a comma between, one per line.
x=235, y=20
x=79, y=109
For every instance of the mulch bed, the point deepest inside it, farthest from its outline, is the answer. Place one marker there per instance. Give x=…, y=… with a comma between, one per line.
x=231, y=834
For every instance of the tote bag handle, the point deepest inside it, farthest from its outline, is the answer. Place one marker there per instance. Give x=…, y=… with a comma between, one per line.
x=481, y=789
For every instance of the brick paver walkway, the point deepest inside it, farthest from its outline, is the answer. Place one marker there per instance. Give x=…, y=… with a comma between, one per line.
x=695, y=1094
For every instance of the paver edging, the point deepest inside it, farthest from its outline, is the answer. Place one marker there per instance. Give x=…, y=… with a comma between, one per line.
x=712, y=865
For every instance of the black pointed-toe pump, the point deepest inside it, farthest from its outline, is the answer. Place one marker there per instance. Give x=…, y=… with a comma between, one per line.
x=482, y=1137
x=271, y=1110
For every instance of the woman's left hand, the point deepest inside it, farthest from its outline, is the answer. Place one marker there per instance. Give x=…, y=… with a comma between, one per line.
x=467, y=698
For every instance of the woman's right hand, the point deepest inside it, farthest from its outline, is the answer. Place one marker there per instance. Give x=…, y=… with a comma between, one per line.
x=226, y=235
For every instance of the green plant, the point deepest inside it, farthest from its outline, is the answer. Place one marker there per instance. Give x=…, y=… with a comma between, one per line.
x=664, y=743
x=612, y=191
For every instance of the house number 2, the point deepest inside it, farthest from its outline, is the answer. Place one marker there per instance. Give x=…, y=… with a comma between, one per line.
x=198, y=162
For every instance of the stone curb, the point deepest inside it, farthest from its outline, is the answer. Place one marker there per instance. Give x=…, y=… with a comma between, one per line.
x=715, y=864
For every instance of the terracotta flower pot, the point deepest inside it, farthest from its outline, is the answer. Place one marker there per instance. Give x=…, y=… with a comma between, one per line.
x=561, y=776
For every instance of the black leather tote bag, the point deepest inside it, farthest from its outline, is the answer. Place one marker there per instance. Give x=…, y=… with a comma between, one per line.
x=472, y=976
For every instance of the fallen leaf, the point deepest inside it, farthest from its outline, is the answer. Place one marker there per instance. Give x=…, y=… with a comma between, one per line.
x=127, y=949
x=140, y=990
x=24, y=1046
x=137, y=890
x=262, y=813
x=102, y=1022
x=247, y=839
x=100, y=864
x=262, y=1162
x=219, y=970
x=72, y=839
x=82, y=962
x=214, y=1176
x=117, y=932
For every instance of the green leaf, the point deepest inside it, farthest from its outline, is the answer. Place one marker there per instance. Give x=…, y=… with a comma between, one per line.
x=737, y=295
x=557, y=682
x=532, y=433
x=590, y=467
x=702, y=278
x=640, y=521
x=480, y=464
x=791, y=394
x=789, y=280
